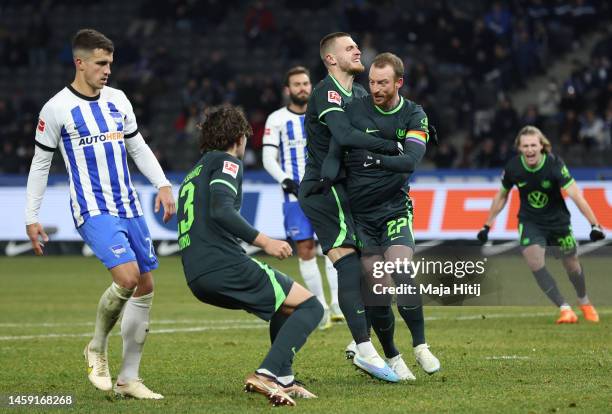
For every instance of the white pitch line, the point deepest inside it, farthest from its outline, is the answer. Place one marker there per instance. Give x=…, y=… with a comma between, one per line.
x=257, y=324
x=154, y=322
x=507, y=357
x=158, y=331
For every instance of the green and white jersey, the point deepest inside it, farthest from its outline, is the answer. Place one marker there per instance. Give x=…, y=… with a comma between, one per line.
x=205, y=245
x=540, y=189
x=326, y=97
x=407, y=123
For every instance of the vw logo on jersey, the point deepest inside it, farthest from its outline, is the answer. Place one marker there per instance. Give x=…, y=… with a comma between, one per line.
x=537, y=199
x=401, y=133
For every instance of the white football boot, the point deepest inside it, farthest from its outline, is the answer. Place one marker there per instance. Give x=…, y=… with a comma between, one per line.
x=136, y=389
x=350, y=350
x=400, y=368
x=325, y=322
x=97, y=369
x=426, y=359
x=336, y=313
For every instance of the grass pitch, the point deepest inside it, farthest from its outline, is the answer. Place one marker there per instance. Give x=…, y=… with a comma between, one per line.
x=494, y=359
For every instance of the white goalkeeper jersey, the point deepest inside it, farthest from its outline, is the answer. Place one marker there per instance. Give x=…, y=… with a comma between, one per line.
x=285, y=130
x=90, y=133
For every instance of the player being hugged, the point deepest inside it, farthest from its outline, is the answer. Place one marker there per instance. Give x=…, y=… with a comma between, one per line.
x=324, y=201
x=378, y=191
x=219, y=272
x=544, y=219
x=284, y=140
x=95, y=129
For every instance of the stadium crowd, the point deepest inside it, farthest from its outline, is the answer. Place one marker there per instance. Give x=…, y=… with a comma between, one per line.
x=462, y=61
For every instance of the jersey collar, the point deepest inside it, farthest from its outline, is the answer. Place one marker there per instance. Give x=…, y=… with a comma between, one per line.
x=537, y=167
x=80, y=95
x=293, y=112
x=344, y=91
x=394, y=110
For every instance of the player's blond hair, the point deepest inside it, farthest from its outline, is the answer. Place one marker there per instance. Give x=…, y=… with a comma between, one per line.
x=389, y=59
x=327, y=42
x=533, y=130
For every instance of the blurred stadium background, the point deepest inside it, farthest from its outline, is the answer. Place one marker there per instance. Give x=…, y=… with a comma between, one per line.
x=481, y=69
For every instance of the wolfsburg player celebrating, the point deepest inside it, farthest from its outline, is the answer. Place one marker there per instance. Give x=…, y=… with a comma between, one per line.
x=95, y=128
x=378, y=194
x=544, y=219
x=326, y=205
x=285, y=138
x=220, y=273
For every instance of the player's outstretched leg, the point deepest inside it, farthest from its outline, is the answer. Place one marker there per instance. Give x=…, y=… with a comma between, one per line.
x=134, y=330
x=349, y=295
x=575, y=272
x=110, y=305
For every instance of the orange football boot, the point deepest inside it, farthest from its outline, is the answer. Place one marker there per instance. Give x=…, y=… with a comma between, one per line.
x=589, y=313
x=567, y=316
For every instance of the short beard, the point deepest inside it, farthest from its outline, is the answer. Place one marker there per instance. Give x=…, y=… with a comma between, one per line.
x=296, y=100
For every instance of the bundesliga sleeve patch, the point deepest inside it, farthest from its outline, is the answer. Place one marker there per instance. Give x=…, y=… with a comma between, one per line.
x=41, y=125
x=267, y=132
x=230, y=168
x=334, y=97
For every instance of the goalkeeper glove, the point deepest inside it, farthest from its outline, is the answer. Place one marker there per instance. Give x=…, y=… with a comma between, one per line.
x=483, y=234
x=290, y=187
x=596, y=233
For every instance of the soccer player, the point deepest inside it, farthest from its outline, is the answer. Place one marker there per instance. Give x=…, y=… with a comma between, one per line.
x=377, y=186
x=544, y=219
x=219, y=272
x=325, y=203
x=285, y=135
x=95, y=128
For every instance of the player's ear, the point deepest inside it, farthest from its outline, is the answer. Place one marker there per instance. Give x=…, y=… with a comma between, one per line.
x=286, y=91
x=400, y=82
x=330, y=60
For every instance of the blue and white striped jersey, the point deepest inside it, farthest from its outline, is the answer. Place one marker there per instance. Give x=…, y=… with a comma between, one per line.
x=90, y=132
x=285, y=130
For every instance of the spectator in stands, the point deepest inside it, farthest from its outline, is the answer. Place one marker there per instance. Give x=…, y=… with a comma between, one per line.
x=499, y=20
x=549, y=99
x=569, y=129
x=591, y=131
x=445, y=155
x=260, y=24
x=531, y=116
x=505, y=121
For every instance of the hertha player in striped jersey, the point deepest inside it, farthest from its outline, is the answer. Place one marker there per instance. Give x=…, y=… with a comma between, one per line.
x=94, y=127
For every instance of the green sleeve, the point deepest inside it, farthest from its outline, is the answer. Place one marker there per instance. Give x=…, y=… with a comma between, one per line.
x=225, y=181
x=506, y=179
x=562, y=174
x=406, y=163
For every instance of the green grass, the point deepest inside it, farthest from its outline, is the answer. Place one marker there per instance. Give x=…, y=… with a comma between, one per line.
x=554, y=368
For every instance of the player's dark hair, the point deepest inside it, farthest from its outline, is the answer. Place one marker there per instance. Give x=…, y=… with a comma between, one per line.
x=223, y=127
x=327, y=41
x=389, y=59
x=296, y=70
x=90, y=39
x=533, y=130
